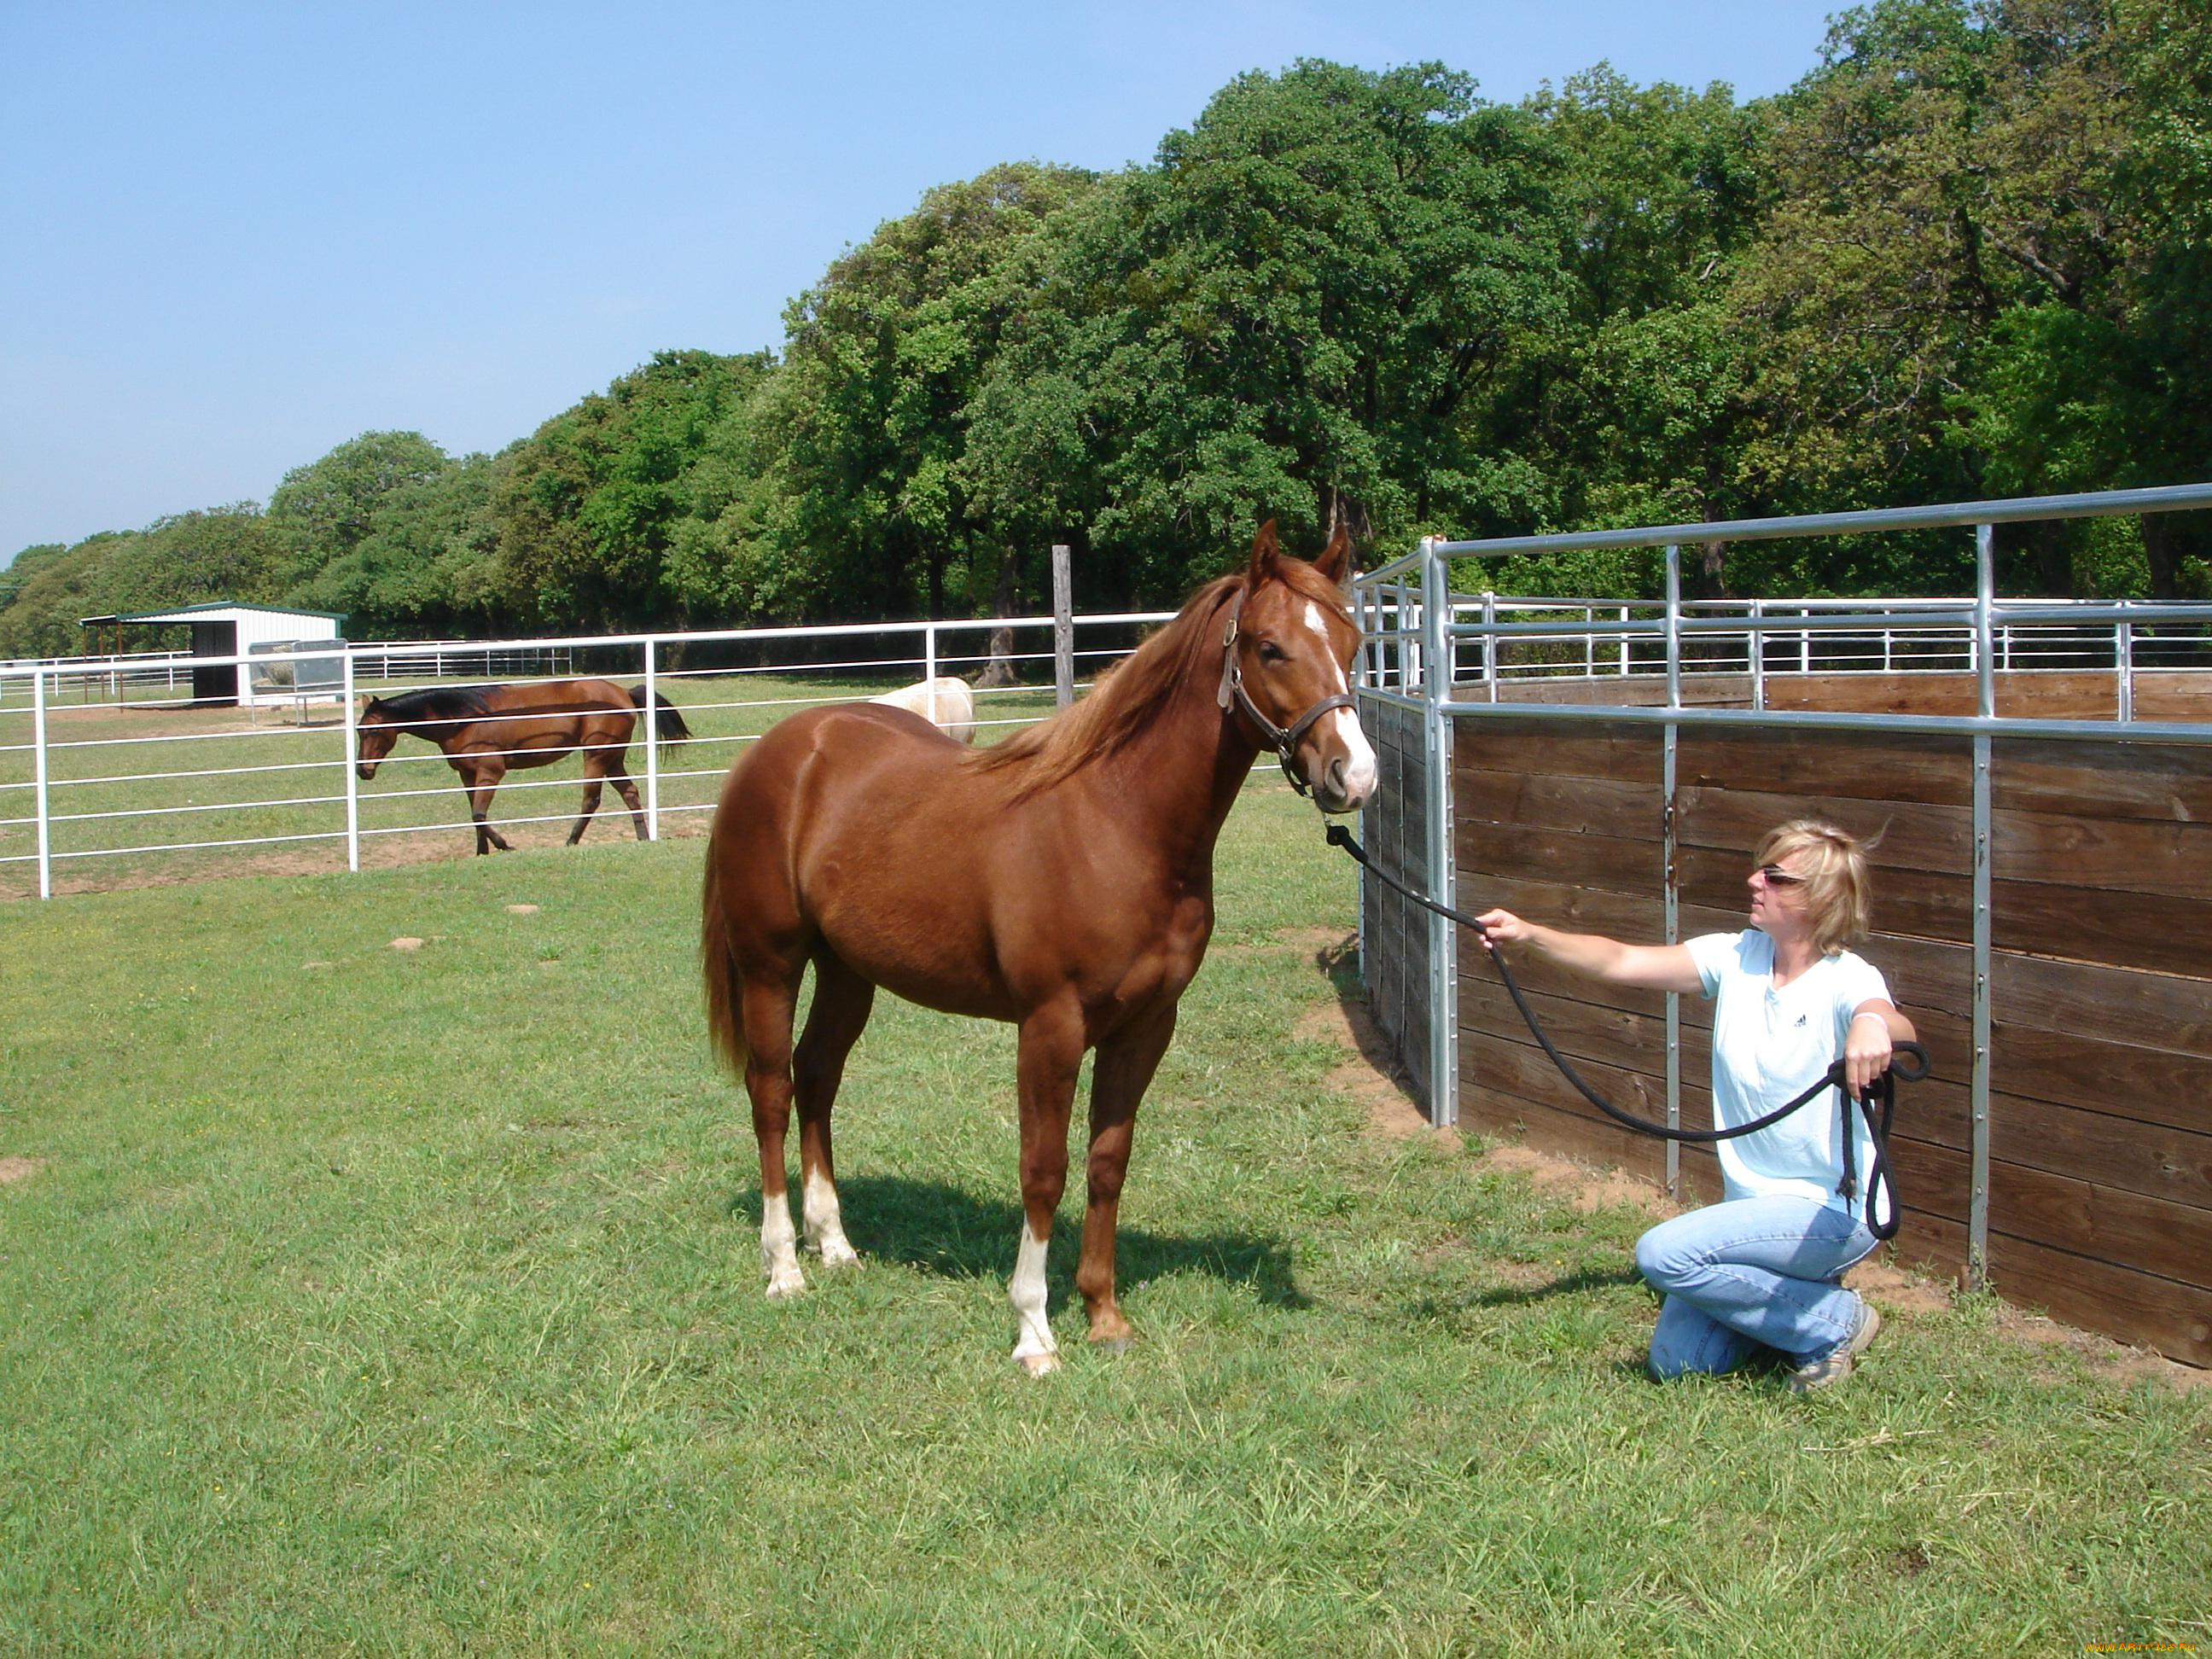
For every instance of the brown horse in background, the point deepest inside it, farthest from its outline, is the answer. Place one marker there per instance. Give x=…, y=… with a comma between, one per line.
x=484, y=729
x=1062, y=881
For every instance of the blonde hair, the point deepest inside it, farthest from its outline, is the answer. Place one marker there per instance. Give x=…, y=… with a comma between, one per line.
x=1838, y=889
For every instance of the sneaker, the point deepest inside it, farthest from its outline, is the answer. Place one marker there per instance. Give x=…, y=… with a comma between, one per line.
x=1835, y=1365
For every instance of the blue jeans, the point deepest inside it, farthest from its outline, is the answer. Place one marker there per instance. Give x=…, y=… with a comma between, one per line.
x=1749, y=1273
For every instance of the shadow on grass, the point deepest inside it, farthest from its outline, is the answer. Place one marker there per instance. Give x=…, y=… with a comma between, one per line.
x=942, y=1230
x=1519, y=1295
x=1338, y=963
x=1590, y=1278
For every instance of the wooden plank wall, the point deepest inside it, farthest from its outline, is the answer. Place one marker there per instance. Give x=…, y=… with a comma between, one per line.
x=2101, y=1070
x=2100, y=1108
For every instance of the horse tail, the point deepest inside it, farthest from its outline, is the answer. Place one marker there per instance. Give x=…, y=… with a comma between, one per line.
x=725, y=1028
x=667, y=720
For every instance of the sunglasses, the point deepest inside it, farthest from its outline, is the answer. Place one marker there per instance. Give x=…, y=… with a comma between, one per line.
x=1776, y=876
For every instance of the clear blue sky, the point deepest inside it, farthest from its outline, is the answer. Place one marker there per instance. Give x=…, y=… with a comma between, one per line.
x=237, y=235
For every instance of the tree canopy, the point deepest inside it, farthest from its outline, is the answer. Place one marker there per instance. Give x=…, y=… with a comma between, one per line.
x=1969, y=253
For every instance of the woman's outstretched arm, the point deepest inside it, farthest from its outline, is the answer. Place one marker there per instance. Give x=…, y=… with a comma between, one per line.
x=1653, y=967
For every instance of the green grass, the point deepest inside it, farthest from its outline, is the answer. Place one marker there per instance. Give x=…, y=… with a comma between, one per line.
x=394, y=1303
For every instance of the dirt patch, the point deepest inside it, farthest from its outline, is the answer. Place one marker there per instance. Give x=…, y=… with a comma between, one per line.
x=1896, y=1287
x=1907, y=1563
x=1391, y=1111
x=1589, y=1190
x=1327, y=943
x=19, y=1169
x=380, y=852
x=2102, y=1355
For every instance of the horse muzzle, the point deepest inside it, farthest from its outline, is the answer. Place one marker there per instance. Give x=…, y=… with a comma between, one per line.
x=1344, y=782
x=1343, y=774
x=1341, y=790
x=364, y=770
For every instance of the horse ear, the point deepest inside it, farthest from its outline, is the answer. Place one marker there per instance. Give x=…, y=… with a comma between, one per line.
x=1265, y=552
x=1336, y=560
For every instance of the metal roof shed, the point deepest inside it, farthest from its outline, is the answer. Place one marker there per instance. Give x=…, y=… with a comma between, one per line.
x=222, y=630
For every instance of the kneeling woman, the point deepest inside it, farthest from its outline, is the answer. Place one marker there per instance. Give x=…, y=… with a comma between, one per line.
x=1763, y=1267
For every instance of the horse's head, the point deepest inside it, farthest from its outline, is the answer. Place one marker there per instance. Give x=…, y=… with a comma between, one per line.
x=1287, y=661
x=374, y=736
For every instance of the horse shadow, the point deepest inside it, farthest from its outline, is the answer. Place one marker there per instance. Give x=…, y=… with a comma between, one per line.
x=944, y=1230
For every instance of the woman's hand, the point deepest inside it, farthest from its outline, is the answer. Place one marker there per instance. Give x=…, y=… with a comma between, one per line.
x=1867, y=1048
x=1504, y=927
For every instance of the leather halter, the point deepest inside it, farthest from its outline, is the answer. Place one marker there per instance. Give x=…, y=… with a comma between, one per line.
x=1285, y=739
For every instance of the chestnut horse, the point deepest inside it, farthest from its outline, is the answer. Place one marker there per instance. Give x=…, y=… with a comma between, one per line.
x=1062, y=881
x=484, y=729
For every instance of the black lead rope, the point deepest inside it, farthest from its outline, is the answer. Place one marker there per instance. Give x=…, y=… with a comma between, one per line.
x=1878, y=1104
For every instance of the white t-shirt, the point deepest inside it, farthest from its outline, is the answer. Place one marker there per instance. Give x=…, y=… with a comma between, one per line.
x=1768, y=1046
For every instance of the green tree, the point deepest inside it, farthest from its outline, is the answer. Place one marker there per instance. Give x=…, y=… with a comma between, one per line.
x=2165, y=200
x=329, y=507
x=871, y=416
x=51, y=588
x=222, y=553
x=1637, y=405
x=1298, y=311
x=1936, y=294
x=427, y=566
x=731, y=558
x=26, y=565
x=586, y=509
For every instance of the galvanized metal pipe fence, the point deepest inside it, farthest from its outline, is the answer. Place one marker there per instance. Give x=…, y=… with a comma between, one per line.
x=1412, y=667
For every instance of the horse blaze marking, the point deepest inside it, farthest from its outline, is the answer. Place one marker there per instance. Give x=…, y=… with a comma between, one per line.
x=1033, y=882
x=1361, y=767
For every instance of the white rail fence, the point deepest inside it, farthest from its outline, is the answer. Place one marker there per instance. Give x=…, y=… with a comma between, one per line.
x=103, y=769
x=110, y=774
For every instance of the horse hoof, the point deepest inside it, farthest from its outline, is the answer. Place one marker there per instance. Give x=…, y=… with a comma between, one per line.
x=1038, y=1364
x=784, y=1284
x=1111, y=1344
x=839, y=1254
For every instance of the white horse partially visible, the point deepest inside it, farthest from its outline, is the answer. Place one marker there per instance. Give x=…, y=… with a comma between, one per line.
x=944, y=701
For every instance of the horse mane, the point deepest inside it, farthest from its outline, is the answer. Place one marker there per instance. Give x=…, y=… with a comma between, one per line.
x=435, y=703
x=1130, y=696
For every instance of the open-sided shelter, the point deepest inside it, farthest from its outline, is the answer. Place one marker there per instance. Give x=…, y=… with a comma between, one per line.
x=222, y=629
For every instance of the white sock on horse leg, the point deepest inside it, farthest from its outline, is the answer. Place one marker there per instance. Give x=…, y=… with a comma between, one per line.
x=1034, y=1347
x=778, y=1250
x=825, y=1223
